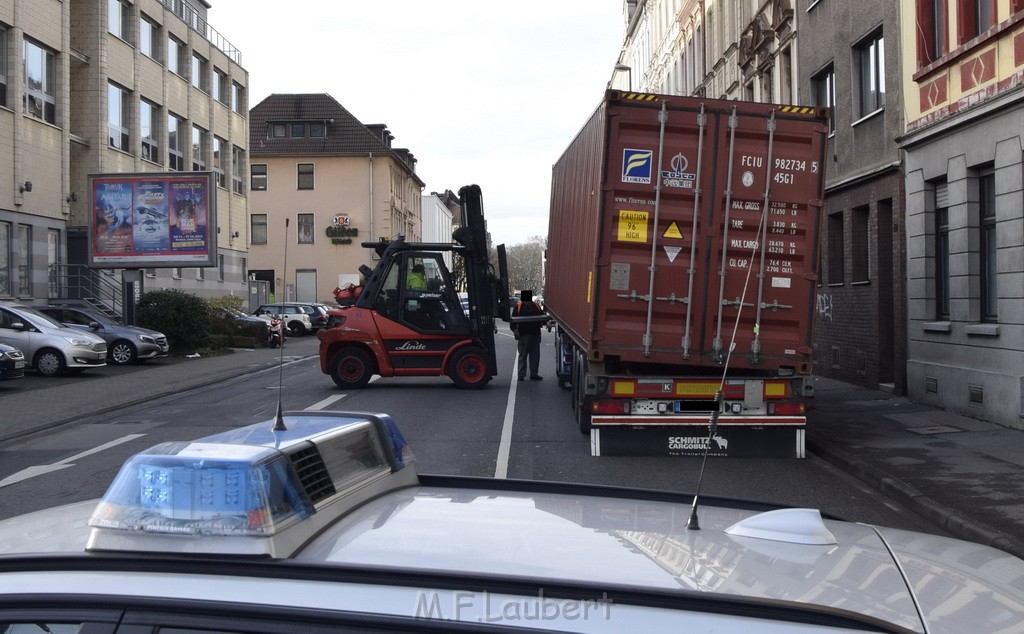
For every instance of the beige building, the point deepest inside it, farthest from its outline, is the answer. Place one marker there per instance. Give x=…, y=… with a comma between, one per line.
x=725, y=49
x=336, y=182
x=113, y=86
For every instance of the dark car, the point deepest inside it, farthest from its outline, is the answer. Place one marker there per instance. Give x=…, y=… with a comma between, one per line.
x=125, y=344
x=12, y=363
x=317, y=313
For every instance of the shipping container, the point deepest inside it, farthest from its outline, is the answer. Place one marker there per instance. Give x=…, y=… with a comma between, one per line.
x=683, y=259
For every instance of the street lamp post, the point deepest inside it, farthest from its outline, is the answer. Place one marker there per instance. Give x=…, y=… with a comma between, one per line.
x=629, y=70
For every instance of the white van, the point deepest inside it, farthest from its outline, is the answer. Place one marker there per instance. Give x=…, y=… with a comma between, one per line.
x=49, y=346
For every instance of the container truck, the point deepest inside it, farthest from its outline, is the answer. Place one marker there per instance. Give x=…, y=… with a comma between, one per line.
x=681, y=270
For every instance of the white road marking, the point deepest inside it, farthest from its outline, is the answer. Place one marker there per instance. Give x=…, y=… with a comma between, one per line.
x=505, y=446
x=327, y=401
x=39, y=470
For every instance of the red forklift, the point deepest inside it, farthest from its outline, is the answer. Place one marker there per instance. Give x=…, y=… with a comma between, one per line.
x=407, y=319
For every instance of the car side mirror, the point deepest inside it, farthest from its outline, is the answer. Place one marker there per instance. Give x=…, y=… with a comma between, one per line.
x=18, y=325
x=95, y=325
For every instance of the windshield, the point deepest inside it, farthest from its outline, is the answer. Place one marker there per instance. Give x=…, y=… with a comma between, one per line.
x=37, y=318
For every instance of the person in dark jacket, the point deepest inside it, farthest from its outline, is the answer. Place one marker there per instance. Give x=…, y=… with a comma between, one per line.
x=528, y=335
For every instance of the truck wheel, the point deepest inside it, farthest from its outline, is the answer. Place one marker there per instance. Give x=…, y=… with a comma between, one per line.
x=351, y=368
x=468, y=369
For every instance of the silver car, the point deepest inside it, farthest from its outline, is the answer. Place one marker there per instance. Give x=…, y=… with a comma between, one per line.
x=50, y=347
x=318, y=522
x=125, y=344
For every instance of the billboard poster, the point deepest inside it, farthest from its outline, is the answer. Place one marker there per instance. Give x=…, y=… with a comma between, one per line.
x=152, y=220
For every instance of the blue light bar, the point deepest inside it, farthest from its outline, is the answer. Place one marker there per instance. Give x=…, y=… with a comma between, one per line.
x=204, y=488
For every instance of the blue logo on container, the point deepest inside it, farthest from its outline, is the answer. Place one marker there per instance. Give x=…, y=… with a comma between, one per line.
x=636, y=166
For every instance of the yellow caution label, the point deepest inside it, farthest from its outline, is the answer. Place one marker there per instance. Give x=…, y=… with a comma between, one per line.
x=673, y=231
x=590, y=284
x=632, y=226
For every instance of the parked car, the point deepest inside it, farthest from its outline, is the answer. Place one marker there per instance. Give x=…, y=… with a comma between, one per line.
x=50, y=347
x=271, y=328
x=296, y=319
x=12, y=363
x=317, y=313
x=125, y=344
x=318, y=522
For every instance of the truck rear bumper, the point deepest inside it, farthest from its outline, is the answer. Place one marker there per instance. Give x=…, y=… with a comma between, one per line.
x=761, y=437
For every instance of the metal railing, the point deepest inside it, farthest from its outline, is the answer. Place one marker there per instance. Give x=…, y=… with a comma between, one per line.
x=191, y=17
x=80, y=283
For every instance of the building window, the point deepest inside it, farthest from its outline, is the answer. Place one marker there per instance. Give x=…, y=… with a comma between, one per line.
x=220, y=268
x=218, y=161
x=988, y=245
x=237, y=98
x=258, y=228
x=941, y=252
x=5, y=258
x=3, y=66
x=149, y=35
x=237, y=168
x=277, y=130
x=298, y=130
x=40, y=82
x=175, y=143
x=245, y=269
x=836, y=249
x=870, y=57
x=316, y=130
x=305, y=232
x=860, y=244
x=118, y=102
x=148, y=113
x=175, y=55
x=258, y=177
x=825, y=94
x=931, y=31
x=199, y=70
x=198, y=149
x=305, y=176
x=975, y=17
x=220, y=86
x=25, y=263
x=119, y=19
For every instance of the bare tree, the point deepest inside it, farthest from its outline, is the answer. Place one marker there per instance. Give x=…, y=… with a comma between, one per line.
x=526, y=265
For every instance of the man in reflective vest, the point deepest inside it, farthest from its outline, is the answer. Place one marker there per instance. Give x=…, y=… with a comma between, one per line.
x=528, y=334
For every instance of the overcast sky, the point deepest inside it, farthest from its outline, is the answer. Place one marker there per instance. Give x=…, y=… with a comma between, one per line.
x=480, y=91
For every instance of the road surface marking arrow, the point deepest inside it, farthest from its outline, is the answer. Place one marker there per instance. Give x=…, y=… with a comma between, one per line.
x=39, y=470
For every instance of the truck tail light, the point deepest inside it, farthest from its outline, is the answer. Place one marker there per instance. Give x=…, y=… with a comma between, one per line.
x=610, y=407
x=789, y=408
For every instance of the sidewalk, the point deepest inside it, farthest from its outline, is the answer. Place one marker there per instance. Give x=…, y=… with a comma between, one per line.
x=962, y=474
x=27, y=411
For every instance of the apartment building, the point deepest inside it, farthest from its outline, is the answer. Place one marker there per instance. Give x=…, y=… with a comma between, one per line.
x=860, y=329
x=113, y=86
x=321, y=184
x=963, y=85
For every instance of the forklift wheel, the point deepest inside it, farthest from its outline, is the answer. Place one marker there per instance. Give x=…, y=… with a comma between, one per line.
x=469, y=369
x=351, y=368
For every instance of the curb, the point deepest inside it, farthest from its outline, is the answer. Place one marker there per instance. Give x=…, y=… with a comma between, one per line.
x=935, y=512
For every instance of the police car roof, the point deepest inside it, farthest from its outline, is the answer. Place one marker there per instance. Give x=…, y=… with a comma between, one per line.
x=626, y=552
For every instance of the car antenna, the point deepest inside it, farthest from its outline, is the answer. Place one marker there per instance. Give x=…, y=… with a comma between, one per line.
x=279, y=419
x=692, y=523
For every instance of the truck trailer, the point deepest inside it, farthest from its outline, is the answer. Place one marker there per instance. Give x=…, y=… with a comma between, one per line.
x=682, y=264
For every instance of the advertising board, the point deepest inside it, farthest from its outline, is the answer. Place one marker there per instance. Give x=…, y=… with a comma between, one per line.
x=152, y=220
